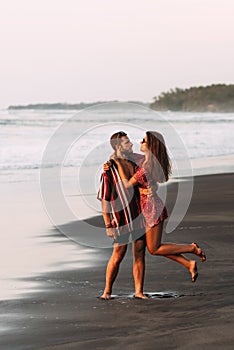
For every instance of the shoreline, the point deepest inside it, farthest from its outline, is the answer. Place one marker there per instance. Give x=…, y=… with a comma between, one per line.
x=67, y=314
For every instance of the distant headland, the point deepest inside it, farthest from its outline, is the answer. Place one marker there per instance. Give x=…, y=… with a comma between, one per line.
x=212, y=98
x=66, y=106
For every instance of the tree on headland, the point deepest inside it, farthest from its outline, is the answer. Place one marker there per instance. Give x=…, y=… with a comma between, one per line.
x=214, y=98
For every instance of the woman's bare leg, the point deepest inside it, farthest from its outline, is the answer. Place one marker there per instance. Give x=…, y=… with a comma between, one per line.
x=155, y=247
x=153, y=239
x=138, y=248
x=191, y=265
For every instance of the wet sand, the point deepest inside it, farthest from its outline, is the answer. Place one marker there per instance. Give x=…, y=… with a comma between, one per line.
x=67, y=314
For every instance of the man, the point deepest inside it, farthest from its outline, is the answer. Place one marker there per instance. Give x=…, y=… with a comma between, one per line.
x=122, y=216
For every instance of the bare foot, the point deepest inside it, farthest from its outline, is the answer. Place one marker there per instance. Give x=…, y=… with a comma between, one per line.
x=193, y=270
x=199, y=252
x=105, y=296
x=140, y=296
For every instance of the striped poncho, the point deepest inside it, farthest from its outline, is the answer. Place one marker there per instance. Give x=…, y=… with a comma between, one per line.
x=124, y=203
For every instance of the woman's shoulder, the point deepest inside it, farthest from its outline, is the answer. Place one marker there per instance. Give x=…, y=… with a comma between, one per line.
x=140, y=175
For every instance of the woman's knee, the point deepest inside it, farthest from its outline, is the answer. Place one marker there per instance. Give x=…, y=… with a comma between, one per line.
x=153, y=250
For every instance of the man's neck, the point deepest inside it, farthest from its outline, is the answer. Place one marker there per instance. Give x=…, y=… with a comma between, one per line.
x=128, y=156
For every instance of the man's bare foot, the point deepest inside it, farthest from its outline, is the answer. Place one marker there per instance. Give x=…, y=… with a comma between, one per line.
x=193, y=270
x=199, y=252
x=105, y=296
x=140, y=296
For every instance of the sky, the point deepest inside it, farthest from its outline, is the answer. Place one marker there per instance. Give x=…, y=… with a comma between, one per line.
x=90, y=50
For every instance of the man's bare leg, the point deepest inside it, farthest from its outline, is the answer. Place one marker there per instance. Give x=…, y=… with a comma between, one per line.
x=112, y=269
x=138, y=249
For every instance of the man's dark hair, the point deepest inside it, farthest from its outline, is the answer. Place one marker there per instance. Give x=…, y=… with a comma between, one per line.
x=115, y=139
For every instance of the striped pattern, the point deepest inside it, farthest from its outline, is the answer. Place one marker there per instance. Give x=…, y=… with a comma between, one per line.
x=125, y=204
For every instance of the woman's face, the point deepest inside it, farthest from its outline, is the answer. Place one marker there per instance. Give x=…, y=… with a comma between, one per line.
x=143, y=143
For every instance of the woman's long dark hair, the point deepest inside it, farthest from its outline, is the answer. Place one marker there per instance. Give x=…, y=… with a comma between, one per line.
x=158, y=165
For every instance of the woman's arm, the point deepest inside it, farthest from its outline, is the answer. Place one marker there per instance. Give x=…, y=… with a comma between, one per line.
x=127, y=183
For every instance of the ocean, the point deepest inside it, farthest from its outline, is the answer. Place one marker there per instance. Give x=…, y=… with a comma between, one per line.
x=25, y=134
x=51, y=160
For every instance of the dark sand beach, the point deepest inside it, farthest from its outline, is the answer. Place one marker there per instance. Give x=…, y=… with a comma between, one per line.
x=67, y=314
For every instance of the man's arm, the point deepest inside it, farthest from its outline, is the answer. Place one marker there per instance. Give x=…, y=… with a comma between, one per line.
x=104, y=195
x=106, y=210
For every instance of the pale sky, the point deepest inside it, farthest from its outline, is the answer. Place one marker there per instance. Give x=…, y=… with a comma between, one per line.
x=89, y=50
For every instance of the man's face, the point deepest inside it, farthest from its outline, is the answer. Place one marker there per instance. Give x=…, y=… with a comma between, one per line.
x=126, y=145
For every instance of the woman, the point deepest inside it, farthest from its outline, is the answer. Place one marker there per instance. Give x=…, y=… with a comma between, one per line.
x=156, y=168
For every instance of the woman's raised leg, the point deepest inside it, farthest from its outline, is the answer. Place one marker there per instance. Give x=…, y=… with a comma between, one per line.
x=153, y=239
x=155, y=247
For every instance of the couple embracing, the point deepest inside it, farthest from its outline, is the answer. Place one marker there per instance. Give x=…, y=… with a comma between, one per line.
x=133, y=210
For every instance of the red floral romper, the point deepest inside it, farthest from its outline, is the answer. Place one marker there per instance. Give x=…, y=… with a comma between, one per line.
x=152, y=207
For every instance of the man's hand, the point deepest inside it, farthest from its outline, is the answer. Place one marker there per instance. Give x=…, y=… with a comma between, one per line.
x=111, y=232
x=149, y=191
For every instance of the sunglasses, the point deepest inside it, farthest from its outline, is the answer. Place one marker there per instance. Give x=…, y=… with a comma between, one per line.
x=143, y=140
